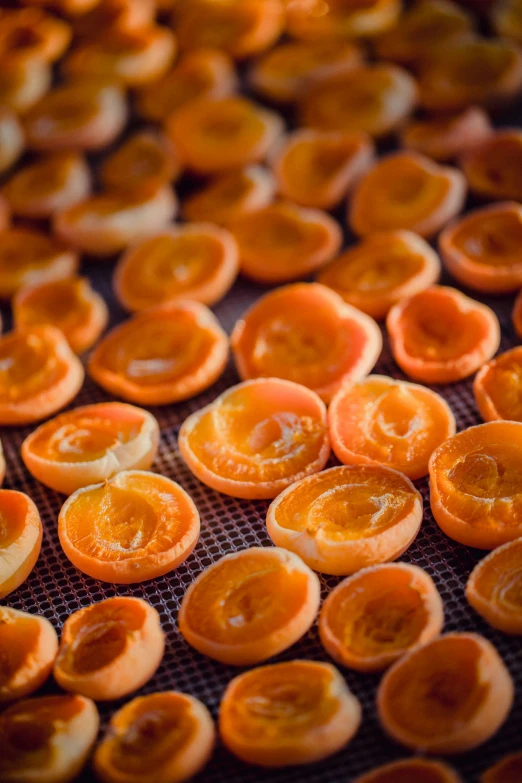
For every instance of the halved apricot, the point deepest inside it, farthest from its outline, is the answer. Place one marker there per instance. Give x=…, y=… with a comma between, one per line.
x=318, y=168
x=145, y=160
x=279, y=337
x=29, y=645
x=108, y=222
x=20, y=539
x=11, y=138
x=70, y=304
x=446, y=138
x=239, y=27
x=373, y=99
x=48, y=738
x=133, y=527
x=494, y=588
x=283, y=242
x=109, y=649
x=447, y=696
x=288, y=713
x=406, y=190
x=475, y=485
x=213, y=135
x=133, y=56
x=256, y=438
x=507, y=770
x=203, y=73
x=112, y=14
x=382, y=421
x=487, y=71
x=492, y=168
x=232, y=611
x=54, y=182
x=373, y=618
x=347, y=518
x=77, y=116
x=91, y=444
x=23, y=81
x=39, y=374
x=198, y=261
x=29, y=257
x=415, y=770
x=329, y=19
x=381, y=270
x=168, y=736
x=497, y=387
x=32, y=32
x=162, y=355
x=440, y=335
x=231, y=195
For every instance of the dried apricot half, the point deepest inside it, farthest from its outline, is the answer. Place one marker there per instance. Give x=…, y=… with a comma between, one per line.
x=415, y=770
x=11, y=138
x=475, y=484
x=283, y=242
x=109, y=649
x=226, y=133
x=319, y=168
x=289, y=713
x=445, y=138
x=494, y=587
x=440, y=335
x=493, y=167
x=29, y=257
x=198, y=261
x=406, y=190
x=71, y=305
x=232, y=611
x=256, y=438
x=329, y=19
x=168, y=736
x=48, y=738
x=91, y=444
x=23, y=81
x=447, y=696
x=347, y=518
x=20, y=539
x=162, y=355
x=497, y=387
x=33, y=33
x=382, y=421
x=381, y=270
x=39, y=374
x=29, y=645
x=279, y=337
x=133, y=527
x=145, y=160
x=507, y=770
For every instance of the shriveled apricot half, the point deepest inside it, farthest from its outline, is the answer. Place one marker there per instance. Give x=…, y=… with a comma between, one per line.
x=382, y=270
x=382, y=421
x=48, y=738
x=494, y=588
x=475, y=486
x=256, y=438
x=347, y=518
x=371, y=619
x=440, y=335
x=373, y=99
x=169, y=736
x=145, y=160
x=306, y=334
x=70, y=304
x=29, y=257
x=232, y=612
x=20, y=539
x=162, y=355
x=492, y=168
x=497, y=387
x=133, y=527
x=23, y=81
x=507, y=770
x=284, y=241
x=78, y=116
x=11, y=138
x=213, y=135
x=33, y=33
x=285, y=72
x=109, y=649
x=107, y=223
x=202, y=73
x=406, y=190
x=198, y=261
x=414, y=770
x=39, y=374
x=52, y=183
x=289, y=713
x=446, y=138
x=447, y=696
x=91, y=444
x=231, y=195
x=318, y=168
x=29, y=645
x=329, y=19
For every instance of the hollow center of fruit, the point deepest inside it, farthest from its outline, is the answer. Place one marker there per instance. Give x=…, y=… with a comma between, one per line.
x=354, y=511
x=395, y=415
x=22, y=360
x=492, y=474
x=97, y=645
